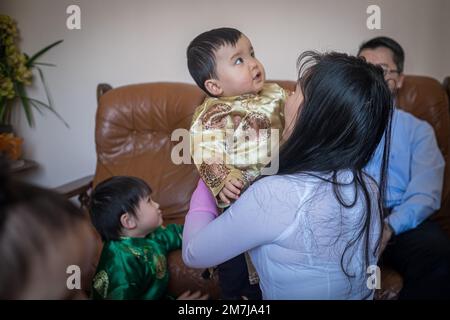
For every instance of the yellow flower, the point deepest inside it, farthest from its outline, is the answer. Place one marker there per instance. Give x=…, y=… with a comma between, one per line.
x=6, y=88
x=8, y=41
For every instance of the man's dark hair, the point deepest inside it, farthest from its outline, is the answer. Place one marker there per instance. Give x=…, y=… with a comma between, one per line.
x=391, y=44
x=111, y=199
x=200, y=53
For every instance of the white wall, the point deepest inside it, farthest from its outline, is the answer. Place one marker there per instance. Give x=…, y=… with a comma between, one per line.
x=132, y=41
x=445, y=36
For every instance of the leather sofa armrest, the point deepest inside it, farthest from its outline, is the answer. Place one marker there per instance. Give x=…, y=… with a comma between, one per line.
x=79, y=187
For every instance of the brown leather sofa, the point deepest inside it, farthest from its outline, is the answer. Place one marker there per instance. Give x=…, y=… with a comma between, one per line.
x=133, y=131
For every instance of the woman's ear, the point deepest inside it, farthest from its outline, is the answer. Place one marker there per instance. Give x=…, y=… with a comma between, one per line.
x=213, y=87
x=128, y=221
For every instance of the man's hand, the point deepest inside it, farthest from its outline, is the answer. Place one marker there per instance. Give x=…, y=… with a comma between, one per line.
x=187, y=295
x=387, y=235
x=231, y=190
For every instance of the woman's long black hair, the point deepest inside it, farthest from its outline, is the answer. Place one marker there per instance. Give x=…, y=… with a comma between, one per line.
x=346, y=111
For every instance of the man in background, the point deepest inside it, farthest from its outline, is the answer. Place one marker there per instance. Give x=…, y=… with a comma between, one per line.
x=413, y=245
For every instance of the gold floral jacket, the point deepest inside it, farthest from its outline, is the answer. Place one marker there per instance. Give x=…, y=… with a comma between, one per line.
x=233, y=137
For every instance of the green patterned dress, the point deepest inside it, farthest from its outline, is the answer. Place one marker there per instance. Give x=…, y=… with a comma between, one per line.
x=136, y=268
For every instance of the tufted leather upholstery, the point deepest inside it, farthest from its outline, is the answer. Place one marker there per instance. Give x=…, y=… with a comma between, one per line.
x=134, y=124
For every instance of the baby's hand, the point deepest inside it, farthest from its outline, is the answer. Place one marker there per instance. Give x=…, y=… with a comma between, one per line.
x=231, y=190
x=197, y=295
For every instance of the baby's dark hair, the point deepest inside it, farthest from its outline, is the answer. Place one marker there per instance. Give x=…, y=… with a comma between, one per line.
x=30, y=219
x=111, y=199
x=200, y=53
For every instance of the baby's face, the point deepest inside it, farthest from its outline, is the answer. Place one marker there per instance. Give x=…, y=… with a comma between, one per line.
x=237, y=69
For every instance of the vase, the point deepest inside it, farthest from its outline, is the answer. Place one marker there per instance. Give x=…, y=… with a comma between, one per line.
x=10, y=144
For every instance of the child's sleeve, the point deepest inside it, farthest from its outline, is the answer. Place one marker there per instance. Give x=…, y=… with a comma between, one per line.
x=127, y=291
x=209, y=146
x=170, y=236
x=119, y=277
x=140, y=282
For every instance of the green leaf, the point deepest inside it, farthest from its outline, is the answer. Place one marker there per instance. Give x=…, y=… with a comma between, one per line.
x=46, y=106
x=47, y=92
x=44, y=64
x=25, y=103
x=49, y=97
x=36, y=56
x=36, y=106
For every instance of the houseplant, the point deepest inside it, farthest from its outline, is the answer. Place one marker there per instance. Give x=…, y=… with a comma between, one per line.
x=16, y=73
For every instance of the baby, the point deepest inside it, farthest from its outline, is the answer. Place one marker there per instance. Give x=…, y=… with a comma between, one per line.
x=223, y=64
x=133, y=261
x=231, y=131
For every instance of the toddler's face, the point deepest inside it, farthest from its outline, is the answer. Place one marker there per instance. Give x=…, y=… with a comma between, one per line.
x=149, y=215
x=238, y=71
